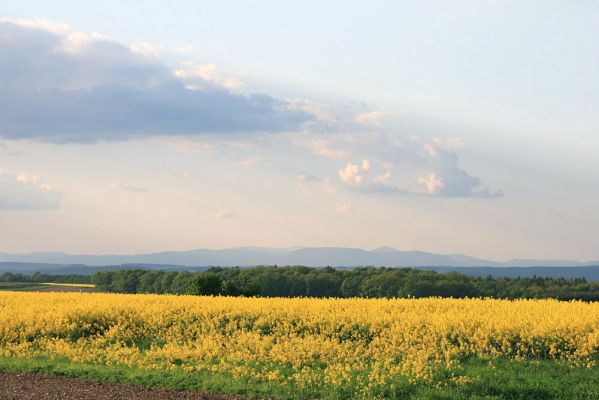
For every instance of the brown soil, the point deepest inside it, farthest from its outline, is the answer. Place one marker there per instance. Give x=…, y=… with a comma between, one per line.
x=17, y=284
x=17, y=385
x=65, y=289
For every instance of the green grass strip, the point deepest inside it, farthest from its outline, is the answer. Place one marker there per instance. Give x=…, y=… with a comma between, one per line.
x=523, y=380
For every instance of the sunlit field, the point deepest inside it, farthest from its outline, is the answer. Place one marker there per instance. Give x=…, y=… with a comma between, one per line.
x=358, y=348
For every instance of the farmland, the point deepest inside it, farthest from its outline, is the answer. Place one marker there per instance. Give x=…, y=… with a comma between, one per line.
x=309, y=348
x=46, y=287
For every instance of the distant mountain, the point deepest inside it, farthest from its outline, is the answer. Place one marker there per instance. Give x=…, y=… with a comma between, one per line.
x=80, y=269
x=310, y=256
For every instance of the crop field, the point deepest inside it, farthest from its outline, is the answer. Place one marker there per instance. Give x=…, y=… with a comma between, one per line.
x=310, y=348
x=46, y=287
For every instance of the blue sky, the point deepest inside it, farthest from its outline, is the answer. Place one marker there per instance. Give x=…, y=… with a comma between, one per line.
x=461, y=126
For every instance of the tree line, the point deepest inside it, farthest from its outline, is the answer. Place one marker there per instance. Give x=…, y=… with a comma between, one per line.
x=39, y=277
x=368, y=282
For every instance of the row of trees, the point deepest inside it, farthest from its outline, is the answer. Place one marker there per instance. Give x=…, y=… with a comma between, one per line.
x=39, y=277
x=296, y=281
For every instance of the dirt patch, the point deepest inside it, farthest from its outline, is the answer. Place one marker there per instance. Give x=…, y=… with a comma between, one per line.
x=11, y=284
x=29, y=386
x=65, y=289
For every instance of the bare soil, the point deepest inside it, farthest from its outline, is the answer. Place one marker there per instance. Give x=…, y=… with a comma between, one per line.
x=30, y=386
x=65, y=289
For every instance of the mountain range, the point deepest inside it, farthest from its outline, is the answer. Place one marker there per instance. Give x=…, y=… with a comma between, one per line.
x=309, y=256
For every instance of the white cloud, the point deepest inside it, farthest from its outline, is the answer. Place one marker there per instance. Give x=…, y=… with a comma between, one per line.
x=58, y=28
x=418, y=166
x=225, y=214
x=27, y=192
x=352, y=173
x=147, y=49
x=127, y=187
x=373, y=117
x=206, y=76
x=430, y=148
x=78, y=42
x=431, y=183
x=344, y=209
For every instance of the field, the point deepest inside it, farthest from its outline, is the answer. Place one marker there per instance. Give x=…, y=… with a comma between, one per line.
x=309, y=348
x=46, y=287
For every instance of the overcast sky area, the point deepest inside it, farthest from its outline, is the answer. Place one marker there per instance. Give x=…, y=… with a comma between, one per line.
x=451, y=127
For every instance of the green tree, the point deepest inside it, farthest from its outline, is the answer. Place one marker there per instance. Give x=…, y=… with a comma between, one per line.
x=205, y=284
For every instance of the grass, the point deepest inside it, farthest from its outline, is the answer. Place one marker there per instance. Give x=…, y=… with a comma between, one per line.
x=525, y=380
x=21, y=286
x=54, y=286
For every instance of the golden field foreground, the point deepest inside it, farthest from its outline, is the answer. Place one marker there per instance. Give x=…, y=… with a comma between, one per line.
x=363, y=343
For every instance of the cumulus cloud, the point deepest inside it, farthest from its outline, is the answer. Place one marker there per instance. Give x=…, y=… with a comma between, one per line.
x=147, y=49
x=26, y=192
x=352, y=173
x=64, y=86
x=400, y=165
x=432, y=183
x=206, y=76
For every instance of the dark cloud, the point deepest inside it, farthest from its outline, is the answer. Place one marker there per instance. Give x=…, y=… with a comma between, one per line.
x=68, y=87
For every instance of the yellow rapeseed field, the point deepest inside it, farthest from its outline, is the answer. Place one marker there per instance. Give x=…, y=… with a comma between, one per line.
x=81, y=285
x=360, y=342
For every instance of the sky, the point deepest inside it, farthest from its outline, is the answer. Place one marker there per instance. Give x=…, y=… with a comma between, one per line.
x=452, y=127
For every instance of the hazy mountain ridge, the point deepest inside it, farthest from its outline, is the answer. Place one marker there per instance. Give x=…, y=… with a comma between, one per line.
x=310, y=256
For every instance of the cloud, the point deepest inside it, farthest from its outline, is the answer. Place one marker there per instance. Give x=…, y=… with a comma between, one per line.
x=384, y=179
x=225, y=214
x=25, y=192
x=432, y=183
x=127, y=187
x=58, y=28
x=400, y=165
x=352, y=173
x=147, y=49
x=206, y=76
x=441, y=175
x=344, y=209
x=63, y=86
x=373, y=117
